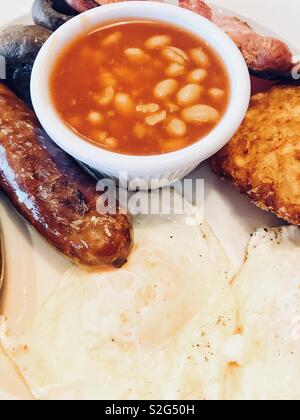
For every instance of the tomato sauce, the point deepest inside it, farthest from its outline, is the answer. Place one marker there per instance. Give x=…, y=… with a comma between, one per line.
x=140, y=87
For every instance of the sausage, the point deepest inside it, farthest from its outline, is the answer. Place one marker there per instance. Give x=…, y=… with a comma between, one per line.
x=266, y=57
x=53, y=193
x=84, y=5
x=197, y=6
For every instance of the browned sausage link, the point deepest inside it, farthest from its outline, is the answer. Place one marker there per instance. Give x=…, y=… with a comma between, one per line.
x=54, y=194
x=83, y=5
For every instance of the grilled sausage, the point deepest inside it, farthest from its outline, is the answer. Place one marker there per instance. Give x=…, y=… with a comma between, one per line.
x=266, y=57
x=54, y=194
x=84, y=5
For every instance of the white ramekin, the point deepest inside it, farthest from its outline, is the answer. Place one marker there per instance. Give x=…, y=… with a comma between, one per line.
x=155, y=171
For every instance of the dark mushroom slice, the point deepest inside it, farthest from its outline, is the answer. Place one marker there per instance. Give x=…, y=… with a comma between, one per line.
x=19, y=46
x=51, y=14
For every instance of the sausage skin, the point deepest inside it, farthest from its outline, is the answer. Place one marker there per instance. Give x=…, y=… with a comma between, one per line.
x=53, y=193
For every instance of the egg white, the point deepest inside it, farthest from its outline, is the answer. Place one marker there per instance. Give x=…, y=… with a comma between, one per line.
x=267, y=290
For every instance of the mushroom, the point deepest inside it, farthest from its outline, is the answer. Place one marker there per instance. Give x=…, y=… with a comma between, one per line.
x=51, y=14
x=19, y=46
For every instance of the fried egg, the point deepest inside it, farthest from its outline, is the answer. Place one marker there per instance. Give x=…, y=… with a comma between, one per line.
x=151, y=330
x=169, y=325
x=267, y=290
x=10, y=383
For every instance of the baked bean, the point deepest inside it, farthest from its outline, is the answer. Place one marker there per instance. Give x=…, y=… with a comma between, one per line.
x=165, y=89
x=111, y=142
x=135, y=54
x=216, y=93
x=112, y=39
x=175, y=70
x=124, y=104
x=87, y=52
x=139, y=130
x=199, y=57
x=199, y=114
x=156, y=118
x=99, y=136
x=156, y=42
x=177, y=128
x=175, y=55
x=108, y=79
x=106, y=96
x=98, y=57
x=197, y=76
x=125, y=75
x=95, y=118
x=147, y=108
x=171, y=145
x=189, y=94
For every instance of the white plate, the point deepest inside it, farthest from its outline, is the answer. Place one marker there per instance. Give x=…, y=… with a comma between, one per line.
x=33, y=269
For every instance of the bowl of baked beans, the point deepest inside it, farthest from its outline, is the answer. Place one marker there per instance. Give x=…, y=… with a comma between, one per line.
x=140, y=90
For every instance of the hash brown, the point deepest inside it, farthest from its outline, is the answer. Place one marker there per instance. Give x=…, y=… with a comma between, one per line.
x=263, y=158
